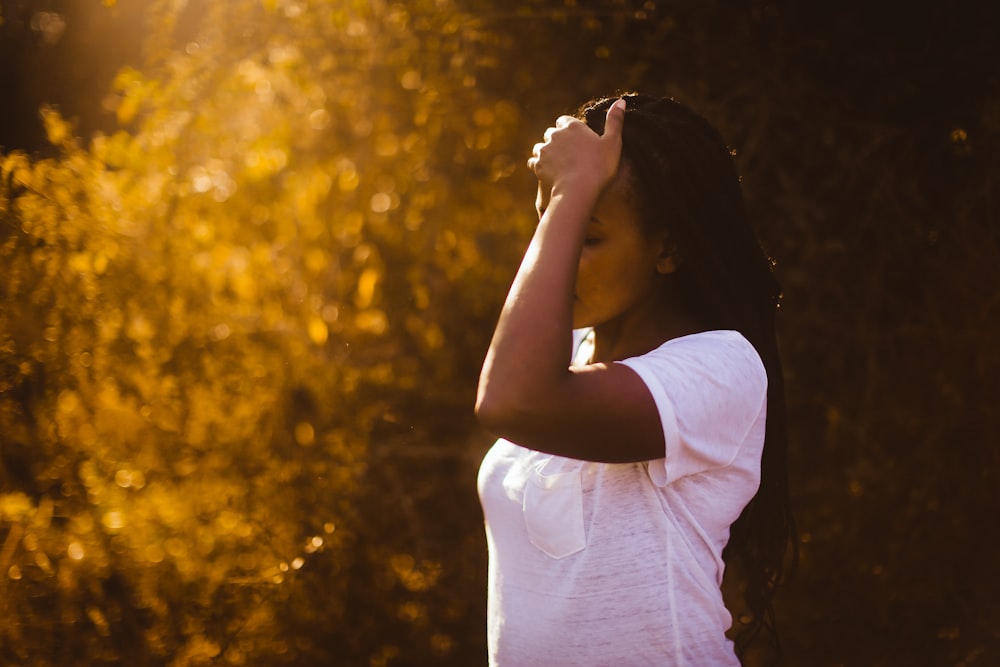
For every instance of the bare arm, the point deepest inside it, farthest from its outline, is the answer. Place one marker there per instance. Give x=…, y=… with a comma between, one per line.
x=527, y=391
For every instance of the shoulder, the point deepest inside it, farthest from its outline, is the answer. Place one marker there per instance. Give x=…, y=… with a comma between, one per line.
x=721, y=341
x=721, y=357
x=710, y=390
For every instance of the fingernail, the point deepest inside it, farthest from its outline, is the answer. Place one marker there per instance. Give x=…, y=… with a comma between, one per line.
x=619, y=104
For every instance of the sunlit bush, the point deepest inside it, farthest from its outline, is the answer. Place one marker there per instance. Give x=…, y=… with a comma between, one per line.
x=209, y=314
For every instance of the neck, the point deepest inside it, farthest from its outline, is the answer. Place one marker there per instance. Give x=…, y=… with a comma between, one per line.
x=663, y=317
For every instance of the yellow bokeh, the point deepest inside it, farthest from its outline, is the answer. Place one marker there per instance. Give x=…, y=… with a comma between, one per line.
x=318, y=331
x=366, y=288
x=305, y=434
x=200, y=317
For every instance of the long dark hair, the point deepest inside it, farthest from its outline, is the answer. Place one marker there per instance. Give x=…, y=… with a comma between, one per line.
x=685, y=180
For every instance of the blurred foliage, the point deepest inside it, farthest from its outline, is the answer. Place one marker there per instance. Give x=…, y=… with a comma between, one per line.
x=240, y=333
x=219, y=318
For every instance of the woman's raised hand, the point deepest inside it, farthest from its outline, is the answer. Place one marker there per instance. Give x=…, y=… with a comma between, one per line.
x=574, y=156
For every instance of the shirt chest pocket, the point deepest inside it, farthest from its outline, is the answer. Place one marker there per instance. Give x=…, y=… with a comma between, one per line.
x=553, y=511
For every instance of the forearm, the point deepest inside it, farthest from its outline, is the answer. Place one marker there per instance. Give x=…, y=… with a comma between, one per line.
x=530, y=351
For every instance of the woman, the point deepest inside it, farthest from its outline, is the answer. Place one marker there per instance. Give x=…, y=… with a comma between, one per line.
x=657, y=443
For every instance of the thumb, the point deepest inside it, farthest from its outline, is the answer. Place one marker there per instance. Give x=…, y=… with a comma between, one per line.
x=615, y=120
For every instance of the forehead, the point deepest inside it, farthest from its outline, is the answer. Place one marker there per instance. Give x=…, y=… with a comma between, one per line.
x=617, y=198
x=620, y=189
x=617, y=201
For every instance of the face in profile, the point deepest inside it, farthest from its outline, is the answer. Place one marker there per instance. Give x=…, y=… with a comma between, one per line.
x=621, y=265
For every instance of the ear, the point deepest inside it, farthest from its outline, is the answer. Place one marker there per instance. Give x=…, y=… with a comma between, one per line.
x=667, y=262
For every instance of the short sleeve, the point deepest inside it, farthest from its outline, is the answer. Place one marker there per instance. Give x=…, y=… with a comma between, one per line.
x=710, y=390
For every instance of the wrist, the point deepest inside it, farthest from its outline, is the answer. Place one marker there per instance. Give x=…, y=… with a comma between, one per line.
x=583, y=191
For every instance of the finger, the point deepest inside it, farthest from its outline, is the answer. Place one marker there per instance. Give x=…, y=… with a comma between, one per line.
x=615, y=120
x=536, y=152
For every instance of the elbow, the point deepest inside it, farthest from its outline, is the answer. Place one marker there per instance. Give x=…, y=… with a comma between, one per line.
x=494, y=412
x=488, y=413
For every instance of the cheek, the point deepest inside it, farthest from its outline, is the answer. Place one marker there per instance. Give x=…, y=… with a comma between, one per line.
x=597, y=288
x=587, y=272
x=612, y=278
x=604, y=265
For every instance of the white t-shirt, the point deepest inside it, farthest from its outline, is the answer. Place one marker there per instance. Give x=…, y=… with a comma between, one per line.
x=621, y=564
